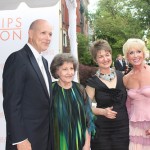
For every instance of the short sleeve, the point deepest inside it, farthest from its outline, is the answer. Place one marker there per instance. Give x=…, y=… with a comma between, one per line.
x=92, y=82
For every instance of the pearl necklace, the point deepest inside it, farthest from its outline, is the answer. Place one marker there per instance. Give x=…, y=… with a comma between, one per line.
x=107, y=77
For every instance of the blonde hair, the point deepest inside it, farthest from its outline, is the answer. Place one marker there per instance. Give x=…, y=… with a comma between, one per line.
x=134, y=43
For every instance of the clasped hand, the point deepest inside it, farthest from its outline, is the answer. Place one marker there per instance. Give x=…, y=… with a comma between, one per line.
x=109, y=113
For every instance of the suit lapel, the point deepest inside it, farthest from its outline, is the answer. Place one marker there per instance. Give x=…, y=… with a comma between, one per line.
x=49, y=77
x=37, y=69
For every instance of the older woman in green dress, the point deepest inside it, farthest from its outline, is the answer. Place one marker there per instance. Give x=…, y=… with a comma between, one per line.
x=72, y=111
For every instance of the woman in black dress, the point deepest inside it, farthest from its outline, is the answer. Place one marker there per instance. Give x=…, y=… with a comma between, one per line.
x=107, y=89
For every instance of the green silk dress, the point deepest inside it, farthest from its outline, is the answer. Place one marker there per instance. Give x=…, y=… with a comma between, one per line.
x=72, y=116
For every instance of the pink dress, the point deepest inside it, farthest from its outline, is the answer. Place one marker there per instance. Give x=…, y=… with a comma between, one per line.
x=138, y=106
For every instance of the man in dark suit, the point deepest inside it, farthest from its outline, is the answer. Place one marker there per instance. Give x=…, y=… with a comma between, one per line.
x=120, y=64
x=27, y=93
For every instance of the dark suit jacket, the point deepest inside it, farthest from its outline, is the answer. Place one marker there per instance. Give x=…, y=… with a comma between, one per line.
x=118, y=65
x=27, y=104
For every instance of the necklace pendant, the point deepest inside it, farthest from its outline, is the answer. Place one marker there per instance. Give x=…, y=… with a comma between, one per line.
x=107, y=77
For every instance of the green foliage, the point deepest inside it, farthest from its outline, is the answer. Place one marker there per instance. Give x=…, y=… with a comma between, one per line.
x=118, y=20
x=83, y=50
x=142, y=10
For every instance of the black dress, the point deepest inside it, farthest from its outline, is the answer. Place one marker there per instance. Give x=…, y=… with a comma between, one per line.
x=111, y=134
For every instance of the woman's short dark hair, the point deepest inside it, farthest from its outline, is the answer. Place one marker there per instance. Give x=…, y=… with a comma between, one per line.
x=99, y=45
x=59, y=60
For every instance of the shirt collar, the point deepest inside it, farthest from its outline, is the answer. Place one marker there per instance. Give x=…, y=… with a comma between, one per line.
x=34, y=51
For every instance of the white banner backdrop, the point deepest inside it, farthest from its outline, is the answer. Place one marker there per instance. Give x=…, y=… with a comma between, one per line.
x=14, y=26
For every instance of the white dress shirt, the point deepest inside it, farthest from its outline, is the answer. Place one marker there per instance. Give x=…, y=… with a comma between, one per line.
x=38, y=58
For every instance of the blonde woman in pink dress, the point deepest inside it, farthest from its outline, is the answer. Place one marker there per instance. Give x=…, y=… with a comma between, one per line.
x=137, y=83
